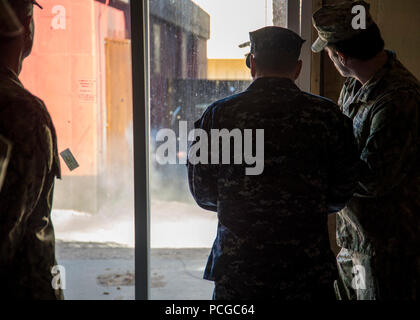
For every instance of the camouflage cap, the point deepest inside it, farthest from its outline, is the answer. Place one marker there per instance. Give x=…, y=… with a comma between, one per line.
x=334, y=23
x=274, y=40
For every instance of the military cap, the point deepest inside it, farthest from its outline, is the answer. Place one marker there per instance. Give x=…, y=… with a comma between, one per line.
x=274, y=40
x=334, y=23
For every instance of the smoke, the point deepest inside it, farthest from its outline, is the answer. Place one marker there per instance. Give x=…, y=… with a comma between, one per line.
x=176, y=221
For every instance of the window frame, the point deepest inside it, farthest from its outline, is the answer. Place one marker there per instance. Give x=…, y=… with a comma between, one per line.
x=141, y=77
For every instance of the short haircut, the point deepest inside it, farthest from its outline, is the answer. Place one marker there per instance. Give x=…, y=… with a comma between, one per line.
x=280, y=62
x=364, y=46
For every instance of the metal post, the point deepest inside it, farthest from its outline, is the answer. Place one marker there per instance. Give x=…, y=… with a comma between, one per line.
x=306, y=55
x=140, y=49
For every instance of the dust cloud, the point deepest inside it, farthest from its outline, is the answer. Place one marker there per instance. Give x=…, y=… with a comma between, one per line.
x=176, y=221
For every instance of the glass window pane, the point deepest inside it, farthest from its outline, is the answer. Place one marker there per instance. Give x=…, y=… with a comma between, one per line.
x=81, y=67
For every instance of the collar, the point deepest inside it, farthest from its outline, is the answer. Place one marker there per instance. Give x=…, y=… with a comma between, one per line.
x=10, y=74
x=368, y=88
x=270, y=83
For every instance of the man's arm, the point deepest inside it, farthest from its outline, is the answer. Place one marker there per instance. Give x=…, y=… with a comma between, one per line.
x=38, y=245
x=21, y=190
x=391, y=150
x=389, y=156
x=202, y=178
x=345, y=164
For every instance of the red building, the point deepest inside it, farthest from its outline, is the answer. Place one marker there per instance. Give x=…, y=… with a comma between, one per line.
x=81, y=68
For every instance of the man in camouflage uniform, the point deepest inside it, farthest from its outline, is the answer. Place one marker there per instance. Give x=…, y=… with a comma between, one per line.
x=272, y=239
x=27, y=245
x=378, y=230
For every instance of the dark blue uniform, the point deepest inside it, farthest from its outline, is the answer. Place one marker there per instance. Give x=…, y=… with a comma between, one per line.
x=272, y=239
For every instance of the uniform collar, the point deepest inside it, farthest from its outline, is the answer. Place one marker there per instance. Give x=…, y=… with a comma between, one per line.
x=269, y=83
x=10, y=74
x=368, y=88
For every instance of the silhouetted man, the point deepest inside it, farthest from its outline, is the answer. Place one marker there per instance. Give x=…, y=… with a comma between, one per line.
x=379, y=229
x=272, y=237
x=27, y=245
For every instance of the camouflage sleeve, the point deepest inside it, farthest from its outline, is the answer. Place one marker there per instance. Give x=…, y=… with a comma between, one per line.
x=27, y=234
x=21, y=189
x=38, y=246
x=391, y=149
x=202, y=178
x=344, y=162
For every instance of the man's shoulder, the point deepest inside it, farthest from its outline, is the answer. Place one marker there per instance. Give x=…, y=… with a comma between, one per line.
x=316, y=107
x=399, y=71
x=21, y=113
x=397, y=86
x=400, y=81
x=248, y=97
x=319, y=100
x=243, y=96
x=17, y=101
x=322, y=106
x=224, y=103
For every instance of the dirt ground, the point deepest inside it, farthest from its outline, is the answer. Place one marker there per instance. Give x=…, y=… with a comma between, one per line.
x=105, y=271
x=98, y=256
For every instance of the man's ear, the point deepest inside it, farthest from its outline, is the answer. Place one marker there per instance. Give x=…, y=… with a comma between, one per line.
x=253, y=65
x=298, y=69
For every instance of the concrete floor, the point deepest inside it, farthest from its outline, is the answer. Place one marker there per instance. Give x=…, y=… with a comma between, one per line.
x=98, y=256
x=105, y=271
